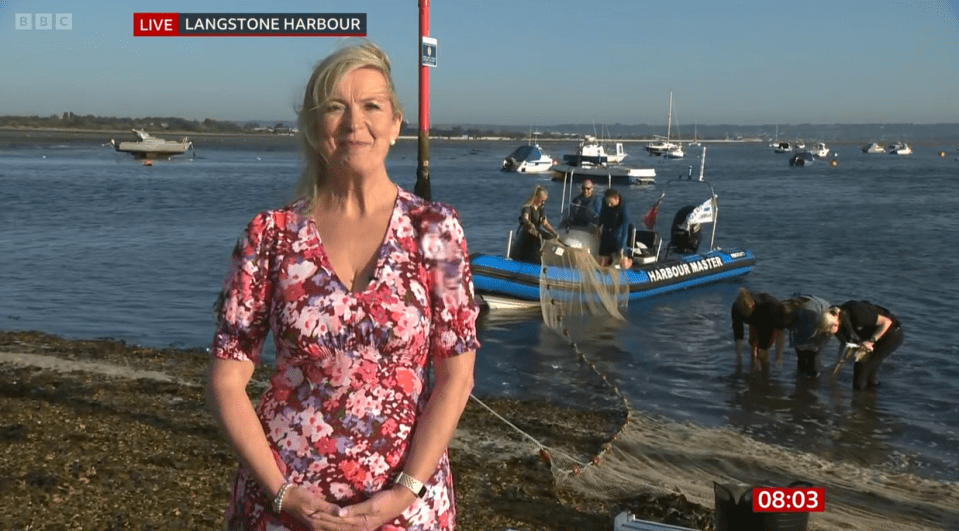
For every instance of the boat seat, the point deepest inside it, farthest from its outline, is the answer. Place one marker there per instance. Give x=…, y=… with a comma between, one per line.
x=645, y=245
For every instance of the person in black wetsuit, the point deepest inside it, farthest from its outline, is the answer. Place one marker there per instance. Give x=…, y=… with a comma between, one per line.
x=614, y=229
x=875, y=328
x=533, y=228
x=766, y=318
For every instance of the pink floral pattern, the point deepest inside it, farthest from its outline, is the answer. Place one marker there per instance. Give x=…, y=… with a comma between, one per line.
x=350, y=374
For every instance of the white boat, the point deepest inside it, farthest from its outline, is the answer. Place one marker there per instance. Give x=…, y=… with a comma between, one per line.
x=900, y=148
x=873, y=148
x=528, y=159
x=592, y=162
x=665, y=146
x=590, y=146
x=695, y=142
x=577, y=168
x=783, y=147
x=820, y=151
x=675, y=152
x=150, y=147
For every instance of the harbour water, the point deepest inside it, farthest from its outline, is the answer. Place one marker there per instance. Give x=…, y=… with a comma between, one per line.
x=94, y=244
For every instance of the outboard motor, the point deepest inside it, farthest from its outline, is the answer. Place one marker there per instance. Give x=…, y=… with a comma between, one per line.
x=684, y=241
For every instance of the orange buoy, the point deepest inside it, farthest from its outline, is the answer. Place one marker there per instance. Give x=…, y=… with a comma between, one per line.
x=147, y=162
x=832, y=163
x=942, y=153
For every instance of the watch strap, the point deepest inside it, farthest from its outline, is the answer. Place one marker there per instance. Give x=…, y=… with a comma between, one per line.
x=414, y=485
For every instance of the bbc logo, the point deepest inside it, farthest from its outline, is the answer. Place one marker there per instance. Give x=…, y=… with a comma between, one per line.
x=44, y=21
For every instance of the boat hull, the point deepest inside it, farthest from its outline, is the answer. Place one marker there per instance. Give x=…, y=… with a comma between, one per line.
x=500, y=278
x=616, y=175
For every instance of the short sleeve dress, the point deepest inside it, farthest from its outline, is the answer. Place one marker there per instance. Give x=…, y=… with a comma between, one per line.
x=351, y=367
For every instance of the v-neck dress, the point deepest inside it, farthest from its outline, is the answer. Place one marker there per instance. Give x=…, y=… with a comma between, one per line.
x=351, y=367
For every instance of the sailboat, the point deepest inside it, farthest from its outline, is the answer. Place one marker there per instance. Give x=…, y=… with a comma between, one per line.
x=695, y=142
x=664, y=146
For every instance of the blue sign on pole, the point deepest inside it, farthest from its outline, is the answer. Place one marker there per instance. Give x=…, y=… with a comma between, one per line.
x=428, y=52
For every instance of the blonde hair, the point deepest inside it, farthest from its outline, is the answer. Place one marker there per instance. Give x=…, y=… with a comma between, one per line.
x=744, y=302
x=538, y=191
x=825, y=324
x=319, y=90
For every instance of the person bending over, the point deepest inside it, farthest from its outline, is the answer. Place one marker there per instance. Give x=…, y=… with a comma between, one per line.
x=874, y=328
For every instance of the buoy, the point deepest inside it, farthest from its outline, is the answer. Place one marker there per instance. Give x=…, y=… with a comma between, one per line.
x=832, y=163
x=942, y=153
x=147, y=162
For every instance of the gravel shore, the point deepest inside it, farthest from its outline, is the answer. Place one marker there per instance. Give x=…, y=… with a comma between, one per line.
x=98, y=434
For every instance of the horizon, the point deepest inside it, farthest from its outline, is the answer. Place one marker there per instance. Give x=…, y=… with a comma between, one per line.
x=751, y=63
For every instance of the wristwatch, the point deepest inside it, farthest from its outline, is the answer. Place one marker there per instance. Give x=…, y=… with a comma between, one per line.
x=414, y=485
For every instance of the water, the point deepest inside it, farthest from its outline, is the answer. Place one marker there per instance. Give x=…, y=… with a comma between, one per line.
x=94, y=244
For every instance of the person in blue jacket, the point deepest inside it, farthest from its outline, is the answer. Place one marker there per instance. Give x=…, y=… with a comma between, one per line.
x=614, y=228
x=584, y=209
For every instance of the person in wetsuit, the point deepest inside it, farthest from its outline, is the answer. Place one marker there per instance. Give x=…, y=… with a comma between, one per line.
x=614, y=229
x=533, y=228
x=875, y=328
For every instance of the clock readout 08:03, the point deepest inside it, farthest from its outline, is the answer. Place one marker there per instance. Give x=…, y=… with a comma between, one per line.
x=788, y=499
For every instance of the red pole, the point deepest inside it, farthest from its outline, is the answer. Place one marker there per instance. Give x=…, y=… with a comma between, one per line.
x=422, y=187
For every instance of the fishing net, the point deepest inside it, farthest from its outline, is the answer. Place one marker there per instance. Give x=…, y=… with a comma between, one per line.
x=572, y=283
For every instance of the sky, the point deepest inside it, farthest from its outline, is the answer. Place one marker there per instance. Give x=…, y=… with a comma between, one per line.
x=518, y=62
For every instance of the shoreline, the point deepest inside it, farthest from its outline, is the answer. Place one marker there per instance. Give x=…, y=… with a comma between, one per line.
x=101, y=433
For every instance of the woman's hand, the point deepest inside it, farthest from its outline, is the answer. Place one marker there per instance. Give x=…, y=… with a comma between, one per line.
x=308, y=507
x=382, y=507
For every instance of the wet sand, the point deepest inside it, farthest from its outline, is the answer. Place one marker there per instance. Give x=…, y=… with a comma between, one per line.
x=97, y=434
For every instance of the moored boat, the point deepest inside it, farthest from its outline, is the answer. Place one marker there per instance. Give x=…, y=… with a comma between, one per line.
x=577, y=168
x=900, y=148
x=528, y=159
x=820, y=151
x=150, y=147
x=873, y=148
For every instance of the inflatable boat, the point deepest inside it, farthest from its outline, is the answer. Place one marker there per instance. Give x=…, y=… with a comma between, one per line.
x=652, y=268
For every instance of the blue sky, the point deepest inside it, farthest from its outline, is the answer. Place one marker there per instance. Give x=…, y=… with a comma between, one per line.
x=518, y=62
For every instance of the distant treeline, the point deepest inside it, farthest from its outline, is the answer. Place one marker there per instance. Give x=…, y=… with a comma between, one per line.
x=765, y=132
x=152, y=124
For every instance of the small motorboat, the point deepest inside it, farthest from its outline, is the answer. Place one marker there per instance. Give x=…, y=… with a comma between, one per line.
x=820, y=151
x=900, y=148
x=528, y=159
x=578, y=168
x=150, y=147
x=801, y=159
x=509, y=282
x=783, y=147
x=873, y=148
x=592, y=162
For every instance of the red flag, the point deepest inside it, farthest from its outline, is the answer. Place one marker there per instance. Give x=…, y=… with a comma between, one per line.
x=650, y=218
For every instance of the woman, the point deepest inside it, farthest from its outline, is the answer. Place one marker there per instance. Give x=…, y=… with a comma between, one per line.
x=874, y=328
x=362, y=286
x=805, y=317
x=766, y=318
x=533, y=228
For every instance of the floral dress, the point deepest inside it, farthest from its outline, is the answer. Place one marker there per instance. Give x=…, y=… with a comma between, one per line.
x=351, y=367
